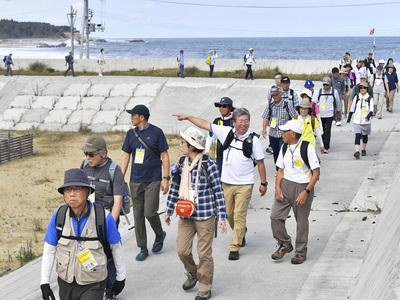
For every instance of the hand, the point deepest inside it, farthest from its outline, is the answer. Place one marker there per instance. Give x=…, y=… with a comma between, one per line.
x=322, y=150
x=118, y=286
x=366, y=119
x=47, y=293
x=167, y=220
x=278, y=194
x=207, y=153
x=264, y=133
x=222, y=226
x=164, y=186
x=263, y=190
x=301, y=199
x=181, y=117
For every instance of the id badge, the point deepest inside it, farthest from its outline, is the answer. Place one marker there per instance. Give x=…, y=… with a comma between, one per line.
x=86, y=258
x=365, y=113
x=273, y=123
x=323, y=106
x=298, y=163
x=139, y=156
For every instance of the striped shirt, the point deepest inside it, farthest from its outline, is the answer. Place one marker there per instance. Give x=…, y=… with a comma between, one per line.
x=206, y=205
x=280, y=114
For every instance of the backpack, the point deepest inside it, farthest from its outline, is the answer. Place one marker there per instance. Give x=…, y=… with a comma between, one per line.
x=245, y=57
x=67, y=58
x=285, y=106
x=247, y=147
x=383, y=79
x=291, y=96
x=126, y=204
x=332, y=94
x=208, y=60
x=303, y=152
x=5, y=59
x=100, y=216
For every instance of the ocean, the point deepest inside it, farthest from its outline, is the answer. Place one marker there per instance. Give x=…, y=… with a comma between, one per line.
x=305, y=48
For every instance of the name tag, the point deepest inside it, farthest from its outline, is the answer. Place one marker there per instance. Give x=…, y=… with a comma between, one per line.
x=323, y=106
x=139, y=156
x=86, y=258
x=298, y=163
x=273, y=123
x=365, y=112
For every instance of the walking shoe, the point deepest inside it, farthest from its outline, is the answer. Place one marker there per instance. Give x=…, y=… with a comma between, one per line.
x=298, y=259
x=333, y=122
x=379, y=118
x=326, y=151
x=190, y=282
x=142, y=254
x=110, y=297
x=233, y=255
x=159, y=242
x=363, y=152
x=203, y=295
x=269, y=150
x=357, y=154
x=282, y=250
x=338, y=123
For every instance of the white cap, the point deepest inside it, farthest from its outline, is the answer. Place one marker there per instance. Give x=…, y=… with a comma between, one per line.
x=292, y=125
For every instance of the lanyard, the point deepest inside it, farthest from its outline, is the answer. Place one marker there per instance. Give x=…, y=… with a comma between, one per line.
x=293, y=152
x=140, y=134
x=230, y=147
x=278, y=107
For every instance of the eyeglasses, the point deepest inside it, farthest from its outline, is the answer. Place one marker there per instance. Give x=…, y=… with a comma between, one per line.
x=223, y=106
x=363, y=88
x=243, y=122
x=77, y=189
x=90, y=154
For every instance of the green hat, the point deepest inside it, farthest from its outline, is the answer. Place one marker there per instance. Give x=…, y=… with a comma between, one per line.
x=365, y=85
x=93, y=143
x=141, y=110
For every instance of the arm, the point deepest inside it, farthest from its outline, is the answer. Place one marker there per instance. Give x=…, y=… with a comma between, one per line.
x=319, y=136
x=265, y=123
x=166, y=166
x=301, y=199
x=209, y=141
x=126, y=157
x=263, y=176
x=171, y=200
x=116, y=207
x=278, y=181
x=49, y=253
x=203, y=124
x=118, y=257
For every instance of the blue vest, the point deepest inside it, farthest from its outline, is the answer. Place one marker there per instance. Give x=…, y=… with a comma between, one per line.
x=392, y=80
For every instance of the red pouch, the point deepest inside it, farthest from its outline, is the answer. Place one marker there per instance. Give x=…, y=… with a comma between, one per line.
x=185, y=208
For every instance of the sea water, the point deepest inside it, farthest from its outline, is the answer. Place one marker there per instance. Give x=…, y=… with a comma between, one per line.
x=304, y=48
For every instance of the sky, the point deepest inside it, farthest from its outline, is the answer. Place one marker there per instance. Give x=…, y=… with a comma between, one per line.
x=217, y=18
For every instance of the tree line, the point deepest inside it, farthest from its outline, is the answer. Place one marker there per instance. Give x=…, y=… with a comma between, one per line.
x=10, y=29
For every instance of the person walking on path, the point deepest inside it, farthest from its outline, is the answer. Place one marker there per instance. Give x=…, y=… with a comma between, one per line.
x=197, y=177
x=359, y=69
x=390, y=62
x=72, y=237
x=248, y=62
x=346, y=60
x=101, y=62
x=392, y=85
x=289, y=94
x=338, y=85
x=346, y=94
x=294, y=188
x=351, y=75
x=213, y=55
x=363, y=109
x=329, y=105
x=370, y=63
x=379, y=87
x=7, y=65
x=277, y=113
x=69, y=59
x=181, y=64
x=243, y=151
x=307, y=94
x=149, y=149
x=109, y=191
x=225, y=106
x=363, y=78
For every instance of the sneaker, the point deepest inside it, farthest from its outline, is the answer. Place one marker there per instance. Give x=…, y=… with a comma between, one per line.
x=159, y=242
x=203, y=295
x=363, y=152
x=233, y=255
x=338, y=123
x=333, y=122
x=379, y=118
x=357, y=154
x=110, y=297
x=326, y=151
x=298, y=259
x=190, y=282
x=282, y=250
x=142, y=254
x=269, y=150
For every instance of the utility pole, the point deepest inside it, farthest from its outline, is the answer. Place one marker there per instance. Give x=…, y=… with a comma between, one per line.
x=71, y=19
x=85, y=25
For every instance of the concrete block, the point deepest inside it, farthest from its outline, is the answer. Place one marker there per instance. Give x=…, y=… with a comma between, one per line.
x=82, y=116
x=6, y=125
x=44, y=102
x=71, y=127
x=100, y=127
x=13, y=114
x=70, y=102
x=147, y=89
x=35, y=115
x=105, y=117
x=123, y=128
x=34, y=88
x=124, y=119
x=22, y=101
x=139, y=100
x=100, y=90
x=77, y=89
x=26, y=125
x=53, y=126
x=58, y=115
x=55, y=89
x=123, y=89
x=114, y=103
x=91, y=103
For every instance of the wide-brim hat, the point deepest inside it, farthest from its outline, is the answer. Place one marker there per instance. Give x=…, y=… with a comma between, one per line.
x=306, y=92
x=194, y=137
x=293, y=125
x=349, y=65
x=225, y=101
x=93, y=143
x=365, y=85
x=75, y=177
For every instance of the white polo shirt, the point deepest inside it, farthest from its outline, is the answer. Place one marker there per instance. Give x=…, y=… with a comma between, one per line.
x=294, y=167
x=237, y=168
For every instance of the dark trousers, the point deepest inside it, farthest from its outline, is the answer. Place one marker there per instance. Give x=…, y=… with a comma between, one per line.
x=211, y=70
x=73, y=290
x=249, y=72
x=219, y=164
x=327, y=126
x=276, y=144
x=112, y=273
x=70, y=67
x=9, y=70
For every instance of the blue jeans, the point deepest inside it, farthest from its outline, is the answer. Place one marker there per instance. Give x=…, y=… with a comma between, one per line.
x=181, y=68
x=276, y=144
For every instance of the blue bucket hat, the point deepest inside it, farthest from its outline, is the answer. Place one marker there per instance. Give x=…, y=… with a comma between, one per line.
x=75, y=177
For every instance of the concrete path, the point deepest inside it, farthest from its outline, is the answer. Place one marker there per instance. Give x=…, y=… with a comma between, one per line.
x=339, y=233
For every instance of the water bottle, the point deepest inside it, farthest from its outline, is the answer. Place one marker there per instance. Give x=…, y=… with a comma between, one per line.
x=174, y=169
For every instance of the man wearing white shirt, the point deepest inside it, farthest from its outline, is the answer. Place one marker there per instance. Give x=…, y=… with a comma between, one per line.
x=294, y=188
x=248, y=61
x=243, y=151
x=101, y=62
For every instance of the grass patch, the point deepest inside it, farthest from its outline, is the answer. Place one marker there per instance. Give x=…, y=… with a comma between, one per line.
x=37, y=66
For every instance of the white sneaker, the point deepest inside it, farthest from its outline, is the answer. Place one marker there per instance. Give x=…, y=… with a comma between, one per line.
x=326, y=151
x=333, y=122
x=338, y=123
x=100, y=75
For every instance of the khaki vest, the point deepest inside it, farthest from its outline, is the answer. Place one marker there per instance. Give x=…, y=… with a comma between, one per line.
x=68, y=266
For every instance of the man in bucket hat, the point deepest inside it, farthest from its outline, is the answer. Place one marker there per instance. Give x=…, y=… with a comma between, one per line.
x=149, y=149
x=73, y=237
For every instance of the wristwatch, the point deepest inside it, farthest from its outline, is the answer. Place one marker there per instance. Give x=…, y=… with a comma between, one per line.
x=167, y=177
x=264, y=183
x=307, y=191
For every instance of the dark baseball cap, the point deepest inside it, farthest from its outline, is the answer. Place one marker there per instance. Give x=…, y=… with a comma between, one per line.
x=224, y=101
x=141, y=110
x=285, y=79
x=275, y=90
x=93, y=143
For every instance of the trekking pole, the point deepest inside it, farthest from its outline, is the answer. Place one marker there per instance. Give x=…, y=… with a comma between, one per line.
x=216, y=227
x=126, y=217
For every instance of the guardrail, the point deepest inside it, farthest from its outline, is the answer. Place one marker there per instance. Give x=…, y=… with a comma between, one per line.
x=12, y=148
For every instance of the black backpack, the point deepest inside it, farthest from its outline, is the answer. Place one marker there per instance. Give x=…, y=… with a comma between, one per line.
x=332, y=94
x=5, y=58
x=291, y=92
x=247, y=147
x=285, y=106
x=303, y=152
x=100, y=216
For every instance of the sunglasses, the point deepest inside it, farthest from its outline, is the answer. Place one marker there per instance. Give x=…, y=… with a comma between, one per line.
x=77, y=189
x=90, y=154
x=363, y=88
x=224, y=106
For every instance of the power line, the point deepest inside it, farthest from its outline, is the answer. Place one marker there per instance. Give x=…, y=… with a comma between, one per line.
x=273, y=7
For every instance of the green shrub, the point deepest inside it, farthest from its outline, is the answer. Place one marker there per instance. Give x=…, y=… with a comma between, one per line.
x=37, y=66
x=50, y=70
